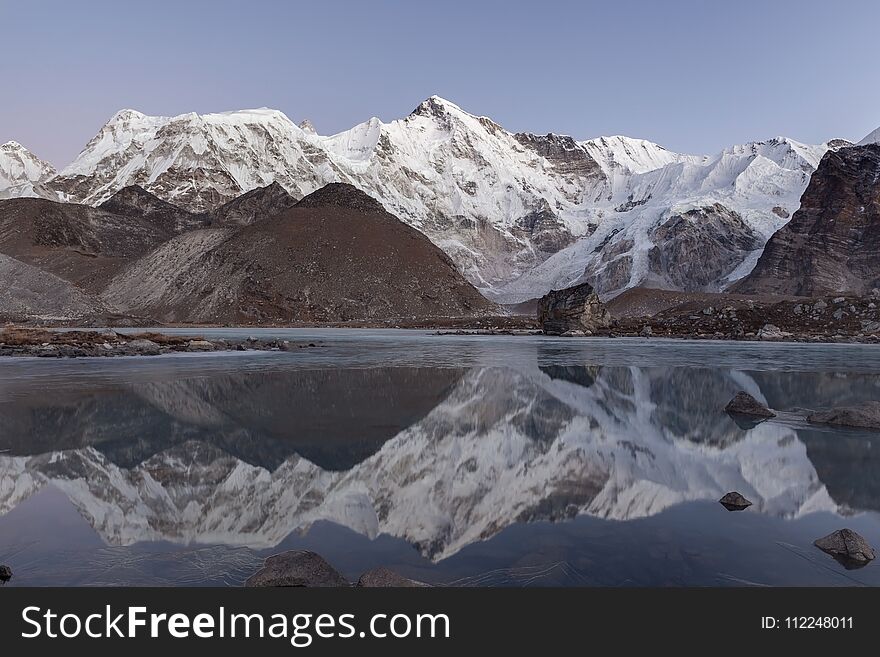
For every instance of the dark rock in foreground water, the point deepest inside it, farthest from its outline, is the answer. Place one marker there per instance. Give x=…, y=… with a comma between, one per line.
x=5, y=573
x=744, y=404
x=296, y=568
x=734, y=501
x=863, y=416
x=848, y=547
x=573, y=311
x=383, y=577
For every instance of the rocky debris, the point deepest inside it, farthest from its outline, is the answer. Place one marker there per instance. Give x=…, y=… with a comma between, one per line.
x=848, y=547
x=734, y=501
x=738, y=317
x=831, y=244
x=301, y=568
x=79, y=344
x=862, y=416
x=574, y=309
x=202, y=345
x=145, y=347
x=772, y=332
x=5, y=574
x=744, y=404
x=383, y=577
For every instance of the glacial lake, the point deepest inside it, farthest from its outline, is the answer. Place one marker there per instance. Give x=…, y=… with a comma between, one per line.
x=456, y=460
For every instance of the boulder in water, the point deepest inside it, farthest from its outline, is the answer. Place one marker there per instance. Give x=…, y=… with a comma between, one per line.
x=862, y=416
x=744, y=404
x=848, y=547
x=734, y=501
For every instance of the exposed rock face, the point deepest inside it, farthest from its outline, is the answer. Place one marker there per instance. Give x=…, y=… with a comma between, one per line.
x=564, y=153
x=863, y=416
x=831, y=243
x=744, y=404
x=848, y=547
x=694, y=250
x=734, y=501
x=385, y=578
x=5, y=573
x=299, y=568
x=574, y=309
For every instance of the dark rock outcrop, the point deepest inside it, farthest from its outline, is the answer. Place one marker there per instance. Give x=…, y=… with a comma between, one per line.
x=695, y=249
x=5, y=574
x=299, y=568
x=135, y=201
x=734, y=501
x=862, y=416
x=744, y=404
x=253, y=206
x=848, y=547
x=832, y=242
x=572, y=310
x=384, y=578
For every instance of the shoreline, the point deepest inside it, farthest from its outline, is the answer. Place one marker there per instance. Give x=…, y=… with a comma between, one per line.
x=67, y=342
x=16, y=342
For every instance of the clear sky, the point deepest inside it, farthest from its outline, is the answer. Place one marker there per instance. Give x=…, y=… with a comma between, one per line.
x=693, y=75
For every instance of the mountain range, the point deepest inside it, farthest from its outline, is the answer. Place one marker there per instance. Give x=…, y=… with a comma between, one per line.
x=517, y=213
x=263, y=258
x=471, y=453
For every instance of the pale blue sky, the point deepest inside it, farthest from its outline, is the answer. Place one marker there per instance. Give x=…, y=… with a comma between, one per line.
x=693, y=75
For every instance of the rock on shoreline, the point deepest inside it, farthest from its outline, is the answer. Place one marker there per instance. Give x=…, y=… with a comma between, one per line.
x=304, y=568
x=92, y=344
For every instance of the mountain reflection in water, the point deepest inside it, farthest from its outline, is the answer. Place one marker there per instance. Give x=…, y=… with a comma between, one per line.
x=451, y=460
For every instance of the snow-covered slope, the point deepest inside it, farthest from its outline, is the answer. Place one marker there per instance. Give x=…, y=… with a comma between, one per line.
x=519, y=213
x=694, y=223
x=505, y=446
x=196, y=161
x=873, y=138
x=20, y=170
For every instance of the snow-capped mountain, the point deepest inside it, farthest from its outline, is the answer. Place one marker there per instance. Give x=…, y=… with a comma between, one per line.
x=195, y=161
x=505, y=446
x=519, y=213
x=20, y=170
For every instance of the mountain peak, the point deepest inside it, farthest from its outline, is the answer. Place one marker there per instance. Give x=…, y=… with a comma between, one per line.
x=12, y=146
x=872, y=138
x=437, y=106
x=341, y=195
x=308, y=126
x=127, y=115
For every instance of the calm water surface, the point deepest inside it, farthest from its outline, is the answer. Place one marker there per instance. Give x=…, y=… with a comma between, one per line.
x=468, y=460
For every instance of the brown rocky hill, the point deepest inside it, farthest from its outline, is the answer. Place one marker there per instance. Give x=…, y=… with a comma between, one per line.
x=336, y=256
x=832, y=242
x=252, y=206
x=135, y=201
x=80, y=244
